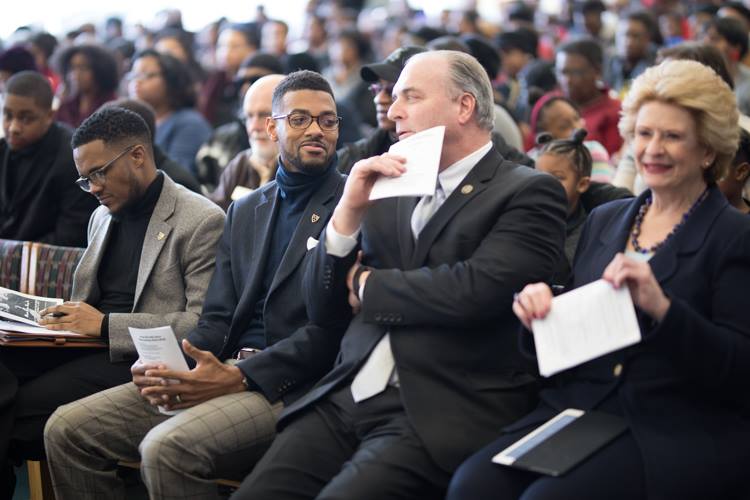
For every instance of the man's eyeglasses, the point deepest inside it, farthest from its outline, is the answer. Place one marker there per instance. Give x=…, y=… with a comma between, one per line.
x=300, y=120
x=377, y=88
x=98, y=176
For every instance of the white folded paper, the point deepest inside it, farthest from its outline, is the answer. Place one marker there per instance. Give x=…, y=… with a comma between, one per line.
x=422, y=152
x=584, y=324
x=31, y=331
x=158, y=346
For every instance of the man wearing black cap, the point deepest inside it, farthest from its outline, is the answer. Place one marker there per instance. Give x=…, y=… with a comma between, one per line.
x=382, y=76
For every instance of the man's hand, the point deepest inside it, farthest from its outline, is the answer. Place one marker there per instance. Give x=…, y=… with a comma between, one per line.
x=209, y=379
x=348, y=214
x=138, y=370
x=76, y=317
x=353, y=298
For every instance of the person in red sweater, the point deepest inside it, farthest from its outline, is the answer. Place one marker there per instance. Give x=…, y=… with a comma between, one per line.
x=578, y=65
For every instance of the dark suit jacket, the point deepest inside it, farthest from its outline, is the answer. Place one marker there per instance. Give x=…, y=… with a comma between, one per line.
x=49, y=207
x=296, y=354
x=447, y=302
x=682, y=387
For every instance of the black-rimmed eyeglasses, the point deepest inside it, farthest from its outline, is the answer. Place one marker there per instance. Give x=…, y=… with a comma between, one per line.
x=300, y=120
x=98, y=176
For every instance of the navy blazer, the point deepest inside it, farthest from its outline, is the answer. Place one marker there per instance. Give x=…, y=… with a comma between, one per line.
x=683, y=387
x=296, y=353
x=446, y=301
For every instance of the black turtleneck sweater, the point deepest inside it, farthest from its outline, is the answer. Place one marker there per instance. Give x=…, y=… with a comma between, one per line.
x=295, y=189
x=118, y=269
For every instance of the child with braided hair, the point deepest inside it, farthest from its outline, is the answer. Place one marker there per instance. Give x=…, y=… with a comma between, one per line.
x=569, y=161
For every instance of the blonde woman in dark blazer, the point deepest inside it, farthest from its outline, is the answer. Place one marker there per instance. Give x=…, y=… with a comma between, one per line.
x=684, y=253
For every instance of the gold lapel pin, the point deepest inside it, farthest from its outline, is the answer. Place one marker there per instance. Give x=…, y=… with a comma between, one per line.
x=160, y=236
x=467, y=189
x=314, y=218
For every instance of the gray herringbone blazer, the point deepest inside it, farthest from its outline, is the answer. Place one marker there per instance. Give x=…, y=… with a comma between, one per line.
x=176, y=265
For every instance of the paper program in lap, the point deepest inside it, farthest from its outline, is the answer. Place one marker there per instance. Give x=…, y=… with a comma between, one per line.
x=159, y=346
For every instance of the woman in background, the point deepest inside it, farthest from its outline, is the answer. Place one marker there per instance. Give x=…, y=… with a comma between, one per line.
x=165, y=83
x=90, y=79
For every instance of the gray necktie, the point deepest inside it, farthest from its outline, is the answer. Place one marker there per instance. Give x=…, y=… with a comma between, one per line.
x=426, y=208
x=378, y=370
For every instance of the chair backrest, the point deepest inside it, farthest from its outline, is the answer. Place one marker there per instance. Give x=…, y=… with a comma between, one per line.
x=51, y=270
x=14, y=264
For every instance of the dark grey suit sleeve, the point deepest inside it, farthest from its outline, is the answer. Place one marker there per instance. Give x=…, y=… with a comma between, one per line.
x=295, y=362
x=324, y=287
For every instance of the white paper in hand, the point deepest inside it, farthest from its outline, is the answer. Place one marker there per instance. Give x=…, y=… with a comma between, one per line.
x=422, y=152
x=159, y=346
x=584, y=324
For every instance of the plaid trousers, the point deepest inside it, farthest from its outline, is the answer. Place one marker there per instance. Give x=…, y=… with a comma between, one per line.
x=180, y=455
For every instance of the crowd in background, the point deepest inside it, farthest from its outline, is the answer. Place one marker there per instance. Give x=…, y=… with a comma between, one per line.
x=638, y=109
x=588, y=54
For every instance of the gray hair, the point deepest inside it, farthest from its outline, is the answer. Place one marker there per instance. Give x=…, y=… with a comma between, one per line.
x=467, y=75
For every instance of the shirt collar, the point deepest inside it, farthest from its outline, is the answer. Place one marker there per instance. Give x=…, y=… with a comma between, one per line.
x=452, y=176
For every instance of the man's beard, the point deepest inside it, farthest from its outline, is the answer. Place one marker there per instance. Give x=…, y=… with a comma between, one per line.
x=313, y=167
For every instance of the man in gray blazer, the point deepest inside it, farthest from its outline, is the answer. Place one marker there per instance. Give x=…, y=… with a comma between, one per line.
x=150, y=257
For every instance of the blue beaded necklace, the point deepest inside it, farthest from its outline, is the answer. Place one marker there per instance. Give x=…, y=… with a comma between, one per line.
x=642, y=214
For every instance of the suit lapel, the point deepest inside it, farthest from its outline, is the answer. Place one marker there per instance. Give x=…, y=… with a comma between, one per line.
x=85, y=275
x=157, y=233
x=477, y=178
x=404, y=209
x=614, y=237
x=690, y=237
x=687, y=240
x=311, y=224
x=263, y=219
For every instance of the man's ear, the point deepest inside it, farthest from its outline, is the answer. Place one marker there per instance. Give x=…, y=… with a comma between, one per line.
x=467, y=105
x=583, y=184
x=271, y=129
x=138, y=154
x=49, y=117
x=742, y=171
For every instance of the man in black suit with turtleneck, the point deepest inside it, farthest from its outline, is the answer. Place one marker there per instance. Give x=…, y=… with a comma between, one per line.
x=254, y=301
x=39, y=200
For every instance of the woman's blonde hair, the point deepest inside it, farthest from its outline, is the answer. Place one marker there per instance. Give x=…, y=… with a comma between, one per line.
x=698, y=89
